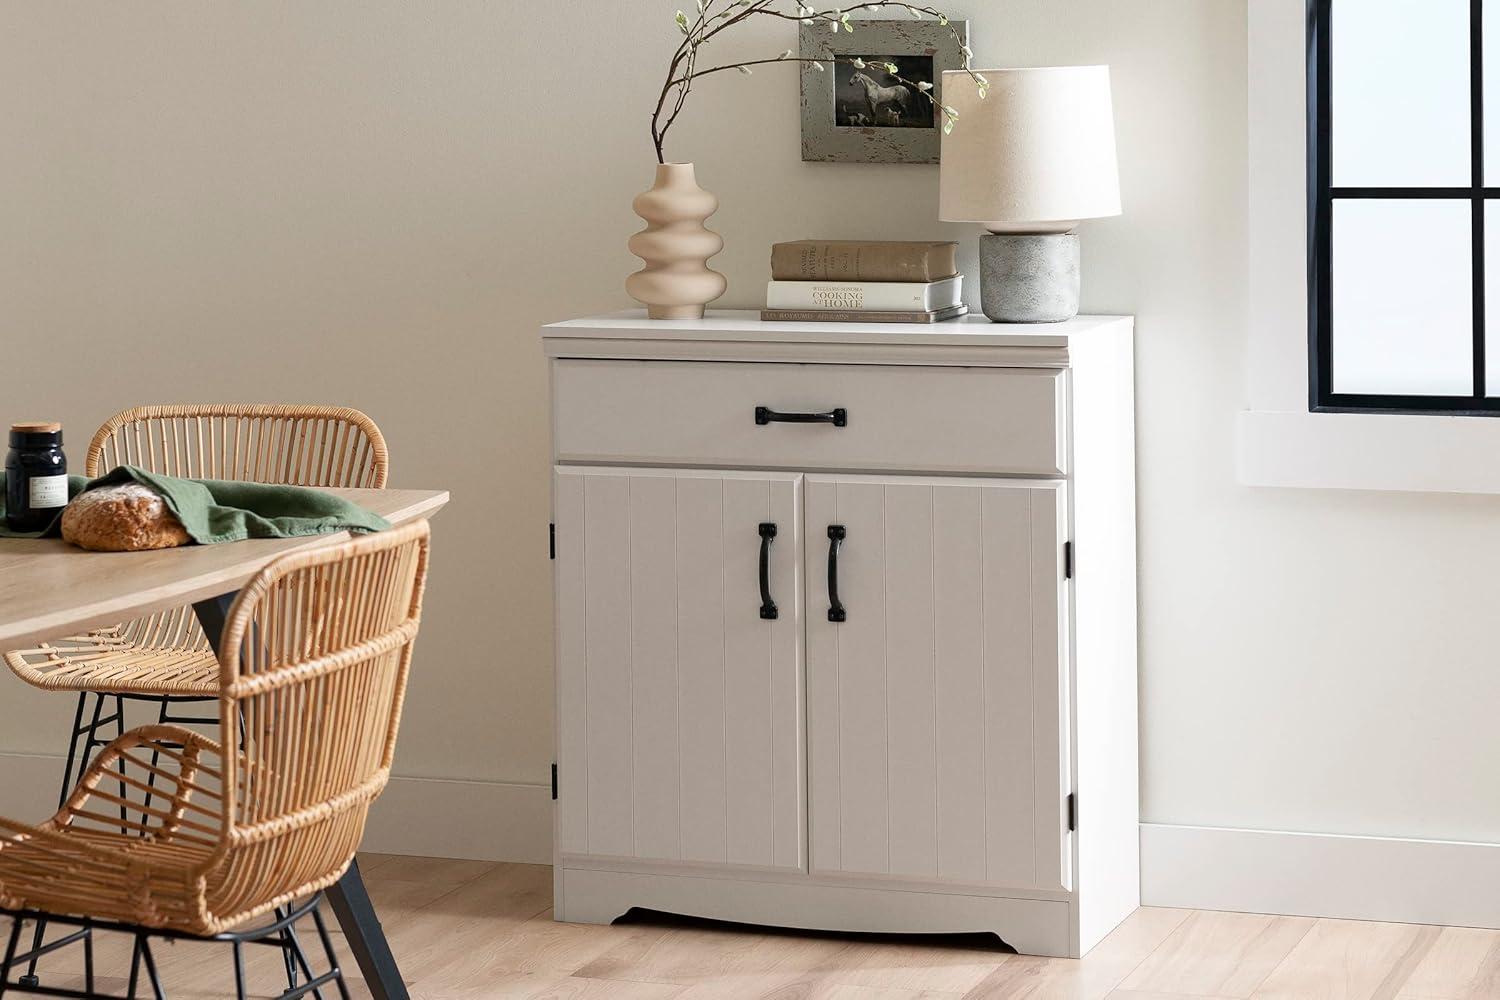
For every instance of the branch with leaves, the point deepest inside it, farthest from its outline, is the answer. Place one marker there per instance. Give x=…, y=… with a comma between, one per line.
x=717, y=16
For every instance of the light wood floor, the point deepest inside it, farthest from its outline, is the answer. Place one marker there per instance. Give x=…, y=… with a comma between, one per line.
x=465, y=929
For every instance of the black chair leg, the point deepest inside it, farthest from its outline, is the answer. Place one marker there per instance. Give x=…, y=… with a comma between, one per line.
x=90, y=741
x=74, y=737
x=88, y=963
x=299, y=956
x=119, y=718
x=30, y=979
x=239, y=972
x=161, y=719
x=291, y=951
x=10, y=954
x=333, y=959
x=135, y=968
x=156, y=990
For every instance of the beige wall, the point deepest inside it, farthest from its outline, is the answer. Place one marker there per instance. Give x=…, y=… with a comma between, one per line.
x=377, y=203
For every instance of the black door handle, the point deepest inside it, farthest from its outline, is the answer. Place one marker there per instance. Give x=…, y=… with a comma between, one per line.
x=835, y=606
x=767, y=606
x=765, y=415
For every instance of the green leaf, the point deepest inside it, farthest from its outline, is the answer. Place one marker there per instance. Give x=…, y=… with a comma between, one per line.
x=682, y=22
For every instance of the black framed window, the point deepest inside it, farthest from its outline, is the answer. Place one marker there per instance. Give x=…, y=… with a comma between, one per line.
x=1404, y=206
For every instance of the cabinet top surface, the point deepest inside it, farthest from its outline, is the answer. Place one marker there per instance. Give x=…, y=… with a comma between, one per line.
x=745, y=325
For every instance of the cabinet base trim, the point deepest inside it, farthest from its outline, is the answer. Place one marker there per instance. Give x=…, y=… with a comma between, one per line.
x=751, y=873
x=1031, y=926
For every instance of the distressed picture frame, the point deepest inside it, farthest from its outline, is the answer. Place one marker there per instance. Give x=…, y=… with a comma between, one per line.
x=846, y=120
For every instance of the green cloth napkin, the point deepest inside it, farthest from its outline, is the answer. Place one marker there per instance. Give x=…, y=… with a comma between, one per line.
x=217, y=510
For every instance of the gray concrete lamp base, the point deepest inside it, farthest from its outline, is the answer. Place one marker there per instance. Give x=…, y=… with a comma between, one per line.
x=1030, y=278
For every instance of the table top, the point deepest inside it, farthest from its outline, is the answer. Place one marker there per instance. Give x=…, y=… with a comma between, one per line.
x=49, y=588
x=745, y=324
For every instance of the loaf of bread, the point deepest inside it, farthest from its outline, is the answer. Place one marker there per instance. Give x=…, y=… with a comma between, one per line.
x=124, y=518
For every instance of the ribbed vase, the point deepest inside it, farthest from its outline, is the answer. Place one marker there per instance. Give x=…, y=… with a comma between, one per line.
x=676, y=282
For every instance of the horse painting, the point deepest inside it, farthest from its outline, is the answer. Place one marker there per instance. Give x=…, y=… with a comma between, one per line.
x=866, y=95
x=899, y=97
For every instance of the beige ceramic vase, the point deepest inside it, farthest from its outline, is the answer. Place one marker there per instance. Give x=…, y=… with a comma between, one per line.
x=676, y=282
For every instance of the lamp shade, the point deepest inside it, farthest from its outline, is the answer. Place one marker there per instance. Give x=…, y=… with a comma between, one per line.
x=1035, y=156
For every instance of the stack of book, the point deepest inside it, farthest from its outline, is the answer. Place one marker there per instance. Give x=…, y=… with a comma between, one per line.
x=864, y=282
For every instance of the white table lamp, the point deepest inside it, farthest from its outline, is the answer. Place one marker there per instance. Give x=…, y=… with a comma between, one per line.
x=1028, y=163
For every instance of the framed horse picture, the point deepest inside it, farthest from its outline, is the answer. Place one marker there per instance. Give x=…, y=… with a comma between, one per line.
x=875, y=98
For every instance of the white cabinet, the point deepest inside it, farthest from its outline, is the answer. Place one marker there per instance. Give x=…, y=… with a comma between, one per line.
x=822, y=660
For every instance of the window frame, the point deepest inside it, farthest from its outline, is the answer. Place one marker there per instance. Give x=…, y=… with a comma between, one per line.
x=1321, y=197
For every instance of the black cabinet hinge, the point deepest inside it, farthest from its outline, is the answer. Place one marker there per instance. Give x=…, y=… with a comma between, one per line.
x=552, y=545
x=1072, y=811
x=1067, y=560
x=554, y=782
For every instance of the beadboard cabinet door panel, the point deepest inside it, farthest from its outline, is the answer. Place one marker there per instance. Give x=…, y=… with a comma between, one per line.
x=937, y=710
x=680, y=707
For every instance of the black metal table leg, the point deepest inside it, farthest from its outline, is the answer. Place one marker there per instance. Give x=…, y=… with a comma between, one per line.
x=348, y=896
x=356, y=914
x=213, y=613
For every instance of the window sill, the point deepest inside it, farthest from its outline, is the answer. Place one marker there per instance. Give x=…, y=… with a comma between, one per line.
x=1367, y=451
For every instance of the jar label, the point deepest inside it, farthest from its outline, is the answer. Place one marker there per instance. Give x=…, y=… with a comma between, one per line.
x=49, y=491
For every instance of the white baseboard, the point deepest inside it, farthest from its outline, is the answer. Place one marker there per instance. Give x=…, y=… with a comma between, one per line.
x=1251, y=871
x=1321, y=875
x=479, y=820
x=433, y=817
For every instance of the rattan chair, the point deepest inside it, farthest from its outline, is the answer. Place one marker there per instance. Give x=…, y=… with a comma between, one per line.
x=165, y=657
x=173, y=833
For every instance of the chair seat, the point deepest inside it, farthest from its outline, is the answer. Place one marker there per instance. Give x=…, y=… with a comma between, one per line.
x=134, y=842
x=141, y=841
x=110, y=876
x=110, y=662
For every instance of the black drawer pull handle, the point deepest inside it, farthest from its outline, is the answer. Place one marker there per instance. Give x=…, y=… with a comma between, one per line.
x=765, y=415
x=835, y=606
x=767, y=606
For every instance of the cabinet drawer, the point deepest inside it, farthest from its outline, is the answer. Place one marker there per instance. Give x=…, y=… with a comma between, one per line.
x=915, y=419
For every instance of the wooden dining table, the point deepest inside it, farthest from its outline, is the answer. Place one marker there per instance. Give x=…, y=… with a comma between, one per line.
x=50, y=589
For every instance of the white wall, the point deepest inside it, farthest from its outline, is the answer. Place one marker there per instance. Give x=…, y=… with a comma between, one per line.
x=377, y=203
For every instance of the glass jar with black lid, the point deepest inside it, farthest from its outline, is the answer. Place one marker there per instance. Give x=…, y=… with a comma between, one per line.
x=36, y=476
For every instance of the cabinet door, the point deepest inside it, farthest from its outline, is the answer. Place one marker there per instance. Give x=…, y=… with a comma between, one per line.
x=679, y=704
x=937, y=709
